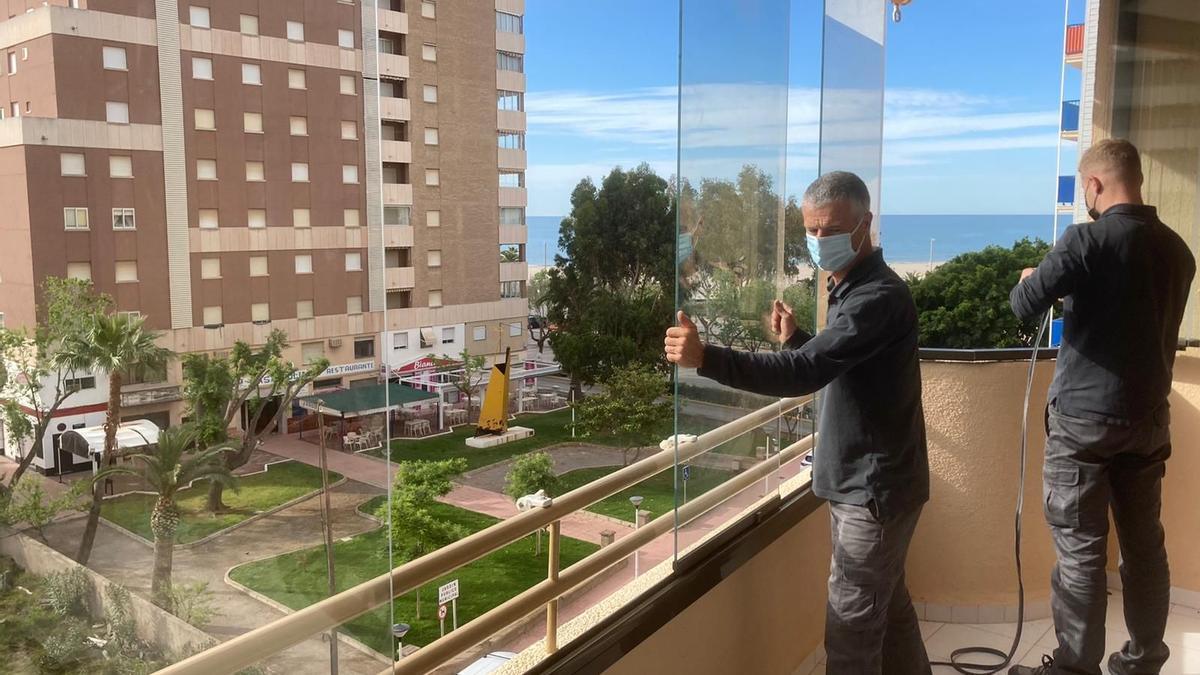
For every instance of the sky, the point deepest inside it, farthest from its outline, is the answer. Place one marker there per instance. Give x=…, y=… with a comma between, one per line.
x=970, y=111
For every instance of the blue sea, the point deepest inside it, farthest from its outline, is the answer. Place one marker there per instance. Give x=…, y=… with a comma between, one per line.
x=905, y=238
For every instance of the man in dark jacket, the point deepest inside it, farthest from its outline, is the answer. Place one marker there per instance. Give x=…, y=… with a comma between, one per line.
x=1125, y=279
x=871, y=462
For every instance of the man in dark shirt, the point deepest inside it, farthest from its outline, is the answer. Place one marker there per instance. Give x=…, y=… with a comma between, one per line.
x=1125, y=279
x=870, y=462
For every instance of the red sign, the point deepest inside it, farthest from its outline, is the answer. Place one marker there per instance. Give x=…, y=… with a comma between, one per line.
x=441, y=612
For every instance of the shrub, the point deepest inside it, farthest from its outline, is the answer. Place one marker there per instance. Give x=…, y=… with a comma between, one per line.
x=121, y=633
x=66, y=592
x=192, y=602
x=66, y=644
x=530, y=473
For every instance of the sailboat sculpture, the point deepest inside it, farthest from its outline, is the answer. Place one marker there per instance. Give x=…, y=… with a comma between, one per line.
x=493, y=414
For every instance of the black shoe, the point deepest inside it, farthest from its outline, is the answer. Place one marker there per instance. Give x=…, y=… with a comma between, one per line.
x=1116, y=666
x=1047, y=668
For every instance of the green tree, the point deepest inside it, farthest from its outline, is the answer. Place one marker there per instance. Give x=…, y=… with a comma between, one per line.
x=29, y=505
x=116, y=344
x=539, y=288
x=610, y=294
x=169, y=466
x=510, y=254
x=634, y=409
x=964, y=303
x=530, y=473
x=218, y=389
x=466, y=374
x=31, y=361
x=415, y=531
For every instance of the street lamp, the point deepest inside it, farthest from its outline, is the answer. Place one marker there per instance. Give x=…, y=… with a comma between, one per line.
x=327, y=527
x=399, y=630
x=636, y=500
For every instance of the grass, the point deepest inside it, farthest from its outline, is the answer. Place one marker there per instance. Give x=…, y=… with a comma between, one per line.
x=258, y=492
x=658, y=490
x=298, y=579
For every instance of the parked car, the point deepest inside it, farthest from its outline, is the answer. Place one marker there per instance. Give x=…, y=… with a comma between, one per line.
x=488, y=664
x=536, y=322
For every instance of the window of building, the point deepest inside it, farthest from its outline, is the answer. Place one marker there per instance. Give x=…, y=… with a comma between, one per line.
x=208, y=219
x=210, y=268
x=400, y=340
x=301, y=218
x=512, y=140
x=199, y=17
x=12, y=62
x=509, y=61
x=206, y=119
x=510, y=289
x=428, y=10
x=79, y=383
x=304, y=264
x=431, y=136
x=127, y=272
x=255, y=172
x=312, y=351
x=304, y=309
x=435, y=298
x=510, y=100
x=75, y=218
x=345, y=38
x=509, y=23
x=297, y=79
x=396, y=215
x=79, y=270
x=429, y=93
x=434, y=258
x=256, y=219
x=248, y=24
x=447, y=336
x=427, y=337
x=299, y=172
x=429, y=52
x=511, y=215
x=251, y=73
x=354, y=262
x=433, y=177
x=123, y=219
x=295, y=31
x=206, y=169
x=115, y=58
x=260, y=312
x=201, y=68
x=350, y=218
x=479, y=333
x=15, y=109
x=349, y=131
x=354, y=304
x=258, y=265
x=134, y=316
x=120, y=166
x=515, y=329
x=211, y=315
x=433, y=219
x=346, y=84
x=364, y=348
x=298, y=126
x=350, y=174
x=71, y=164
x=252, y=122
x=512, y=179
x=28, y=107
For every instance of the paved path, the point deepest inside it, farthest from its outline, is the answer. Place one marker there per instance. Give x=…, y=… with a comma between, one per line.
x=362, y=468
x=130, y=562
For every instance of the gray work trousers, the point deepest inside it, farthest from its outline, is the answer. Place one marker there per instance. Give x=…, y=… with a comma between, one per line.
x=1091, y=467
x=871, y=627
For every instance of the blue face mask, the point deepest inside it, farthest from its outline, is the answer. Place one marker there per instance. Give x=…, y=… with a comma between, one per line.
x=834, y=252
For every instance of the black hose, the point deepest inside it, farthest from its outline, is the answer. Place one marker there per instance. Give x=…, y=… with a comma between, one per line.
x=966, y=667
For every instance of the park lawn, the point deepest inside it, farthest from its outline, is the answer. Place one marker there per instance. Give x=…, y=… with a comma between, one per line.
x=258, y=492
x=658, y=491
x=298, y=579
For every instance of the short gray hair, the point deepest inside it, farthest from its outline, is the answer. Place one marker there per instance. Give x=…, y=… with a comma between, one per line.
x=839, y=186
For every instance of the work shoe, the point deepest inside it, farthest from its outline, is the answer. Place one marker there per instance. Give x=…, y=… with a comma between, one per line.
x=1116, y=666
x=1047, y=668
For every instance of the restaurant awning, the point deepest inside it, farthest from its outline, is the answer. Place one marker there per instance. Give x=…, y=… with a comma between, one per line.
x=358, y=401
x=131, y=435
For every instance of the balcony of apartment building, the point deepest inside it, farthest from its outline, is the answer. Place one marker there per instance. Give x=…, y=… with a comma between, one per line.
x=395, y=147
x=392, y=17
x=398, y=269
x=397, y=188
x=397, y=227
x=393, y=62
x=512, y=189
x=393, y=100
x=513, y=265
x=1069, y=120
x=1073, y=49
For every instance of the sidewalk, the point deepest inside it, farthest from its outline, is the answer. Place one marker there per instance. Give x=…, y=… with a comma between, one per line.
x=356, y=467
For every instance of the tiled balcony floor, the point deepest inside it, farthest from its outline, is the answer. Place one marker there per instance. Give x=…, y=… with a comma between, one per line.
x=1183, y=637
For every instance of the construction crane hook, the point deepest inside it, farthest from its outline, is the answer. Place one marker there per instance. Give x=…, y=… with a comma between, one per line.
x=896, y=5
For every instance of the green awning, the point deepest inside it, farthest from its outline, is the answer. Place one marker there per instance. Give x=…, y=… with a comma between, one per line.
x=357, y=401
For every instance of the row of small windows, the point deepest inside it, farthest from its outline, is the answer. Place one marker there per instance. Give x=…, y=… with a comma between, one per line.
x=200, y=17
x=125, y=271
x=512, y=140
x=76, y=218
x=260, y=312
x=202, y=69
x=509, y=23
x=205, y=119
x=510, y=100
x=510, y=61
x=121, y=166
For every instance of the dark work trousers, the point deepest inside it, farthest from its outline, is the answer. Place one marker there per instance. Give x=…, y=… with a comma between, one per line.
x=1091, y=467
x=870, y=625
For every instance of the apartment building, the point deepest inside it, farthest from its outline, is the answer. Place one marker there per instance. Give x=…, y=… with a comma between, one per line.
x=348, y=171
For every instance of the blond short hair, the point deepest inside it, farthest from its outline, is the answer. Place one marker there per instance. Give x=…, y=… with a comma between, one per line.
x=1113, y=156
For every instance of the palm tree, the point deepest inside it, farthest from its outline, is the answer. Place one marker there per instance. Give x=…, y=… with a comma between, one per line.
x=171, y=465
x=115, y=344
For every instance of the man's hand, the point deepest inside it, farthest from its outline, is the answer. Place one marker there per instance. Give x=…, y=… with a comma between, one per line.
x=682, y=345
x=1027, y=272
x=783, y=321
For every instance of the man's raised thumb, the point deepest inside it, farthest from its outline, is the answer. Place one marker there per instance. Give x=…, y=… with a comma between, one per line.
x=684, y=320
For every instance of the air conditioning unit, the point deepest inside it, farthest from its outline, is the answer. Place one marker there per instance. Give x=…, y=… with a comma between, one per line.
x=334, y=343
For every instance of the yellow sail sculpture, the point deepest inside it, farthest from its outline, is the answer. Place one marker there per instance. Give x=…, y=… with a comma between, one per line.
x=493, y=414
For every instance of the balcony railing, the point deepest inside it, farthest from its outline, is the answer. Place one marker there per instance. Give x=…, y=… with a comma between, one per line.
x=1066, y=191
x=399, y=277
x=1070, y=118
x=1074, y=46
x=249, y=648
x=393, y=108
x=392, y=21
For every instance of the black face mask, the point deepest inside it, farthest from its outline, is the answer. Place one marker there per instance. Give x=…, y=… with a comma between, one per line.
x=1092, y=211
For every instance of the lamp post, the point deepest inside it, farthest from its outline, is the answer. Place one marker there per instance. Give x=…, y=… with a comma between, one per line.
x=636, y=500
x=327, y=526
x=399, y=630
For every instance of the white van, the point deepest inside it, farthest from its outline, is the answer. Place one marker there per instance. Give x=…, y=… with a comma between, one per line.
x=488, y=664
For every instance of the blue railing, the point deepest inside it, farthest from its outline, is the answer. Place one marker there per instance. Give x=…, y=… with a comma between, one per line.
x=1066, y=190
x=1070, y=116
